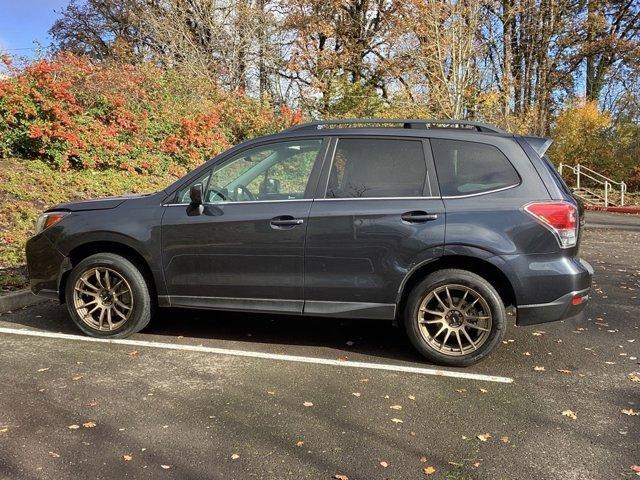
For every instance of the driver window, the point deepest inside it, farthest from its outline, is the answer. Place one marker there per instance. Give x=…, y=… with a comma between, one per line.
x=277, y=171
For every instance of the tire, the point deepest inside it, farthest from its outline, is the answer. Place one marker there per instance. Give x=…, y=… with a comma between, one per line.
x=484, y=320
x=93, y=275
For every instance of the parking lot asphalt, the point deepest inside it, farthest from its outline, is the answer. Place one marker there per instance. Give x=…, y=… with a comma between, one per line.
x=77, y=409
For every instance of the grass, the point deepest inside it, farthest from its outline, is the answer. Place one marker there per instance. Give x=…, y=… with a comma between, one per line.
x=28, y=187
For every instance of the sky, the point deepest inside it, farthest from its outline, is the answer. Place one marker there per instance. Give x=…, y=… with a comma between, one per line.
x=23, y=22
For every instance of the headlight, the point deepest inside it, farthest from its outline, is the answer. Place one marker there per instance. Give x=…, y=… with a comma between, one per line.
x=49, y=219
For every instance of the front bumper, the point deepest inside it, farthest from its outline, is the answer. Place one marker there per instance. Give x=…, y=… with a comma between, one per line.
x=46, y=266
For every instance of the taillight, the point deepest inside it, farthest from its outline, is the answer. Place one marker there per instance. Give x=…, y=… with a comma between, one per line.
x=559, y=217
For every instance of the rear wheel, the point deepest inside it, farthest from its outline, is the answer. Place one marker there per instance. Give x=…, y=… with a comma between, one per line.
x=107, y=296
x=454, y=317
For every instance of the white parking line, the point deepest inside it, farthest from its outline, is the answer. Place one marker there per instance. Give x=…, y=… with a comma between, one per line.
x=263, y=355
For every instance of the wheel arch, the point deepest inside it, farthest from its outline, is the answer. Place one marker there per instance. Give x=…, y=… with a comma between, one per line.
x=84, y=250
x=482, y=267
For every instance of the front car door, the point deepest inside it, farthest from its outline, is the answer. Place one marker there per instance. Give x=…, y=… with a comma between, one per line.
x=244, y=250
x=376, y=217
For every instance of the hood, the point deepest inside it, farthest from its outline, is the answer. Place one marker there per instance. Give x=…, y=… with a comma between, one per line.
x=97, y=204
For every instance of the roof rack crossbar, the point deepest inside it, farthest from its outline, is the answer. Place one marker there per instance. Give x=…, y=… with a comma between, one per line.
x=406, y=123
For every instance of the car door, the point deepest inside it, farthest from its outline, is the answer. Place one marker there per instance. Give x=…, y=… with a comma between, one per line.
x=244, y=249
x=377, y=215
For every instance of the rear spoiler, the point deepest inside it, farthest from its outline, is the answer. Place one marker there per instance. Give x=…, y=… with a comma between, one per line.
x=539, y=144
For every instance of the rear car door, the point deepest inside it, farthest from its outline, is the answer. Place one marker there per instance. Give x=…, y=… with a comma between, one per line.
x=244, y=251
x=377, y=215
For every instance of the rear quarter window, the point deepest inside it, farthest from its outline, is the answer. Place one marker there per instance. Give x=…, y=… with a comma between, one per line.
x=467, y=168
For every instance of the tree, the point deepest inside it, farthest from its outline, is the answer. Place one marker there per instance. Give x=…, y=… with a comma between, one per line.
x=611, y=30
x=100, y=29
x=336, y=43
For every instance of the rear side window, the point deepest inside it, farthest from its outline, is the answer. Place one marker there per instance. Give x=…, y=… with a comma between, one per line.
x=466, y=168
x=369, y=168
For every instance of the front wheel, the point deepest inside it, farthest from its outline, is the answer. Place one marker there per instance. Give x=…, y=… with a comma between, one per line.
x=454, y=317
x=107, y=296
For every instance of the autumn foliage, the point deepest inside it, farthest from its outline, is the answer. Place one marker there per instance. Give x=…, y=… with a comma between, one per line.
x=76, y=114
x=582, y=133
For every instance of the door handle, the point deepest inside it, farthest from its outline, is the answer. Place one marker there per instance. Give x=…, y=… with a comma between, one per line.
x=418, y=216
x=286, y=221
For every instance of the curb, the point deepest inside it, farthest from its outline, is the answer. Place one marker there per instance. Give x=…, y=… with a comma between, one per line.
x=629, y=210
x=21, y=298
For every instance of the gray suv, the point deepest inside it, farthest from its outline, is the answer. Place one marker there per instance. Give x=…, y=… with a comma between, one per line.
x=441, y=225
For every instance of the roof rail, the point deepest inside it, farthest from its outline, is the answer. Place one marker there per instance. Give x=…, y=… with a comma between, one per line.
x=406, y=123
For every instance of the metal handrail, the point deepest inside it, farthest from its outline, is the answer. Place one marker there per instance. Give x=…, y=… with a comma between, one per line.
x=606, y=179
x=579, y=171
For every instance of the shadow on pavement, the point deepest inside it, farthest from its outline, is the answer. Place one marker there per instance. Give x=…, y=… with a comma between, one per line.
x=273, y=333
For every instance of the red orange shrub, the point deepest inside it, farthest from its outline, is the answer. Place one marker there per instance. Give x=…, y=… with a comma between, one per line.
x=74, y=113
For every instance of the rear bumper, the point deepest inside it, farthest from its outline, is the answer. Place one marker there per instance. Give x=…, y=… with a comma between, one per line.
x=46, y=266
x=560, y=309
x=570, y=278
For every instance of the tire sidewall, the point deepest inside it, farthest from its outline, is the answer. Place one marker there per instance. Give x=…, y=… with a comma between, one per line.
x=141, y=313
x=468, y=279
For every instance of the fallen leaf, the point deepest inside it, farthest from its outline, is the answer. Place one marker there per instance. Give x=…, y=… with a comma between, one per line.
x=396, y=407
x=384, y=464
x=539, y=369
x=483, y=390
x=429, y=470
x=235, y=456
x=4, y=429
x=571, y=414
x=477, y=464
x=43, y=369
x=539, y=333
x=270, y=392
x=635, y=468
x=630, y=411
x=411, y=397
x=89, y=424
x=461, y=390
x=504, y=439
x=338, y=476
x=356, y=394
x=396, y=420
x=423, y=459
x=77, y=377
x=166, y=467
x=484, y=437
x=54, y=454
x=299, y=443
x=308, y=404
x=133, y=353
x=127, y=457
x=527, y=354
x=73, y=427
x=92, y=403
x=563, y=370
x=634, y=376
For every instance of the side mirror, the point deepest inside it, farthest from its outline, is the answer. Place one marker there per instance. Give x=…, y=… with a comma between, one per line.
x=196, y=194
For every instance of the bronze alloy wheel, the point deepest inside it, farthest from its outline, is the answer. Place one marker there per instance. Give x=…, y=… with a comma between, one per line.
x=454, y=319
x=103, y=299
